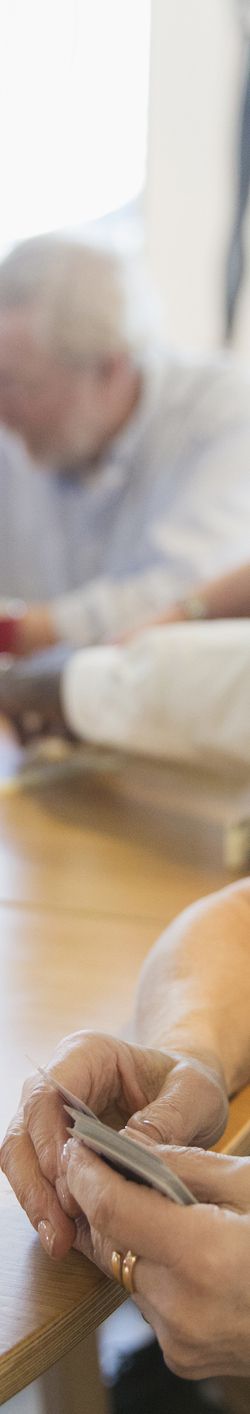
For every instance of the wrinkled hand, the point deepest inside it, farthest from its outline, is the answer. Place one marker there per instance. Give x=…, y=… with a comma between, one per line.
x=30, y=695
x=172, y=615
x=165, y=1097
x=192, y=1275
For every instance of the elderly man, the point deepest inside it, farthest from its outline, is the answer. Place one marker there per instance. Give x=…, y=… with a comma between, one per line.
x=127, y=479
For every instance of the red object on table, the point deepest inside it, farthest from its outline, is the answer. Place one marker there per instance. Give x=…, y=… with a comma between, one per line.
x=9, y=634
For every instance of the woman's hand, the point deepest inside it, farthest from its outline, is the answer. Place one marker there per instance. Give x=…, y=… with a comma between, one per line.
x=192, y=1276
x=165, y=1097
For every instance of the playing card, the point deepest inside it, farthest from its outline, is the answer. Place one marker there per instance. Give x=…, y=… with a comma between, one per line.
x=128, y=1157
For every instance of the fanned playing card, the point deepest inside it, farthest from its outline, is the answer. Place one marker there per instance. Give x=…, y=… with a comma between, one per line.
x=130, y=1158
x=126, y=1155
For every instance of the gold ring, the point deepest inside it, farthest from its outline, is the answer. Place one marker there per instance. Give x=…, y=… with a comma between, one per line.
x=128, y=1267
x=116, y=1264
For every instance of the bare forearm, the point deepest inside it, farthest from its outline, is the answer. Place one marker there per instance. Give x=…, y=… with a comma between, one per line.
x=229, y=597
x=194, y=991
x=225, y=598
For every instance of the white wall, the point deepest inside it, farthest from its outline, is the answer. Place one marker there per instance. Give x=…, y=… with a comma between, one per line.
x=195, y=64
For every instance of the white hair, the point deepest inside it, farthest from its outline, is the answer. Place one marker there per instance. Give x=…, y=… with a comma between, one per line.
x=88, y=301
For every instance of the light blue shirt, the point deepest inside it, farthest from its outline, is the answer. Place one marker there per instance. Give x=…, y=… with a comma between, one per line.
x=167, y=506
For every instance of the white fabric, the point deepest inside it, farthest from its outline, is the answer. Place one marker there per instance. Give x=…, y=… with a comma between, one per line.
x=167, y=505
x=180, y=692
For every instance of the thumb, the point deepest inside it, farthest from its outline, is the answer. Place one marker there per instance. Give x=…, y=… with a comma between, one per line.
x=190, y=1108
x=213, y=1178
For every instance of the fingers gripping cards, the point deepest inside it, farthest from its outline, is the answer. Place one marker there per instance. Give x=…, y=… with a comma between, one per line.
x=126, y=1155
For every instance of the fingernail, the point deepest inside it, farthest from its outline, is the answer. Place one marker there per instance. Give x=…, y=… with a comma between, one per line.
x=65, y=1155
x=62, y=1191
x=47, y=1237
x=147, y=1124
x=73, y=1149
x=142, y=1129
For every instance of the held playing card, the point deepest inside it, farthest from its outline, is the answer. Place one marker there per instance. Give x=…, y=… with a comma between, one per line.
x=66, y=1094
x=128, y=1157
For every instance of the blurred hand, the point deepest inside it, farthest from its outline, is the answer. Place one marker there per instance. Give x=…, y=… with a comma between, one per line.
x=164, y=1097
x=172, y=615
x=35, y=630
x=30, y=695
x=192, y=1275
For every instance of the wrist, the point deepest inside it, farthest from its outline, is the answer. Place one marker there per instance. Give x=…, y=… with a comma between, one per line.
x=192, y=608
x=204, y=1056
x=207, y=1051
x=190, y=1042
x=34, y=630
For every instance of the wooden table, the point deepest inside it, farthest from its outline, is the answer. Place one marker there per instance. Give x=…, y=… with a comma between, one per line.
x=89, y=875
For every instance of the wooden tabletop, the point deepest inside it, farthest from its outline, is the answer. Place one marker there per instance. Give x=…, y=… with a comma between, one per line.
x=89, y=875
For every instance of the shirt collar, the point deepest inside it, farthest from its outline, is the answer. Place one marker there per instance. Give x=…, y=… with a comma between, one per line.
x=123, y=447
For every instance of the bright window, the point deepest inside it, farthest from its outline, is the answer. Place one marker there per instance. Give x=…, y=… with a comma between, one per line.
x=73, y=111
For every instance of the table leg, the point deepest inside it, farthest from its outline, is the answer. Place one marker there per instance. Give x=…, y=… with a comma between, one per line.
x=72, y=1386
x=74, y=1383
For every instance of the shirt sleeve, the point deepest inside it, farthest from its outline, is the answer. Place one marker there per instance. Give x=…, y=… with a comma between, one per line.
x=105, y=608
x=179, y=692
